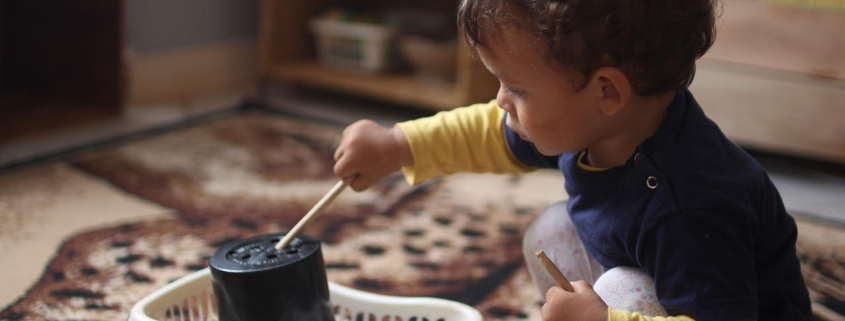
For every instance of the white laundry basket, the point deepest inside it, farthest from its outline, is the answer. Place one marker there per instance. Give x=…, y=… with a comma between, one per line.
x=192, y=299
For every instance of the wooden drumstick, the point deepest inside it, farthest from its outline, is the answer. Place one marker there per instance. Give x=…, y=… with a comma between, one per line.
x=554, y=271
x=334, y=192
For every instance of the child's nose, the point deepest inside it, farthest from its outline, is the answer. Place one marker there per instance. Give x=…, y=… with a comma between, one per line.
x=504, y=102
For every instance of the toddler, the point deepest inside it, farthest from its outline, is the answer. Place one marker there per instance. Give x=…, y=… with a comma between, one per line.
x=666, y=219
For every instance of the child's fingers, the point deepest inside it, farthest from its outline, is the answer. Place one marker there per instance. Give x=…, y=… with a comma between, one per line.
x=361, y=183
x=338, y=153
x=544, y=310
x=554, y=297
x=343, y=168
x=582, y=286
x=554, y=292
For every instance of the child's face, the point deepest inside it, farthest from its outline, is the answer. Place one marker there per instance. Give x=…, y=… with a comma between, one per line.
x=541, y=100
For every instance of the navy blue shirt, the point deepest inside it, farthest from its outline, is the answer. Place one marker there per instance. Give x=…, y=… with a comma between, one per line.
x=696, y=212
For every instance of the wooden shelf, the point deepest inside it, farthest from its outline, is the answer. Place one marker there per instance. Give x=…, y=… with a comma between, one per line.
x=286, y=53
x=399, y=88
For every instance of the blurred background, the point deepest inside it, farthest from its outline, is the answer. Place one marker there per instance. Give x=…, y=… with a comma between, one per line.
x=75, y=73
x=81, y=74
x=773, y=80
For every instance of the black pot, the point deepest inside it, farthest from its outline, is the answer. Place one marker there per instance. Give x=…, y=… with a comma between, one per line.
x=255, y=282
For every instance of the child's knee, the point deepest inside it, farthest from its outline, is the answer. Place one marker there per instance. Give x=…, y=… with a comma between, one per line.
x=629, y=288
x=548, y=224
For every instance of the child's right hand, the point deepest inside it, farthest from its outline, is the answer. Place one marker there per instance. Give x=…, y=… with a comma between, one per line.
x=371, y=151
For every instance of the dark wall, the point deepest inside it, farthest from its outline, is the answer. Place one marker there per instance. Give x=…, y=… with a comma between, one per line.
x=2, y=45
x=63, y=49
x=158, y=25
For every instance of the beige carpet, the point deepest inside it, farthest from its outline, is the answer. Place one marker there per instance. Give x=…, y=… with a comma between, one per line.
x=40, y=207
x=86, y=237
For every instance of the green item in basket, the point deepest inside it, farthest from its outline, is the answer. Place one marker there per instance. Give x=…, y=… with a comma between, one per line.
x=353, y=16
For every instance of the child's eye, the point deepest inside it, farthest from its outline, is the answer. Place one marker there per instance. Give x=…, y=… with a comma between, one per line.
x=516, y=92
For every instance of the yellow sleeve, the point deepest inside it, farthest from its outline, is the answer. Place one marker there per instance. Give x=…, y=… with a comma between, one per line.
x=467, y=139
x=622, y=315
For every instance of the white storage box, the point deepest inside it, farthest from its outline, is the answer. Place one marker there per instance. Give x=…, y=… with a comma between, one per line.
x=191, y=298
x=351, y=45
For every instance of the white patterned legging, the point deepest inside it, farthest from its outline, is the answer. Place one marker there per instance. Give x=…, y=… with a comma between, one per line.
x=624, y=288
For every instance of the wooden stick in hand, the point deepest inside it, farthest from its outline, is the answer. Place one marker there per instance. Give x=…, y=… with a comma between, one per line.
x=554, y=271
x=339, y=187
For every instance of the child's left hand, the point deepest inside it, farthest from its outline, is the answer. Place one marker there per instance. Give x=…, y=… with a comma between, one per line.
x=582, y=305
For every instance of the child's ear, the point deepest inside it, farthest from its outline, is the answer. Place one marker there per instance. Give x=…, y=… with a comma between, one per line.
x=613, y=90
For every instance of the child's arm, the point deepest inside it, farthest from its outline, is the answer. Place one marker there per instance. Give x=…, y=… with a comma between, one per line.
x=464, y=139
x=468, y=139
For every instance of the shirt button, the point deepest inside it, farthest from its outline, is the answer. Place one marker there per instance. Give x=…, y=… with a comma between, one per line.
x=651, y=182
x=637, y=158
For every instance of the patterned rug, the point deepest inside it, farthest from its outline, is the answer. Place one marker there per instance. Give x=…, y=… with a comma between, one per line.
x=252, y=173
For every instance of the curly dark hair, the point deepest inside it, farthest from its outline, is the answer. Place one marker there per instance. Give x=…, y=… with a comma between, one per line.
x=654, y=42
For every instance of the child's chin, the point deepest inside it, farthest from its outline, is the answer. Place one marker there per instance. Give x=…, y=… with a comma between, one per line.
x=548, y=152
